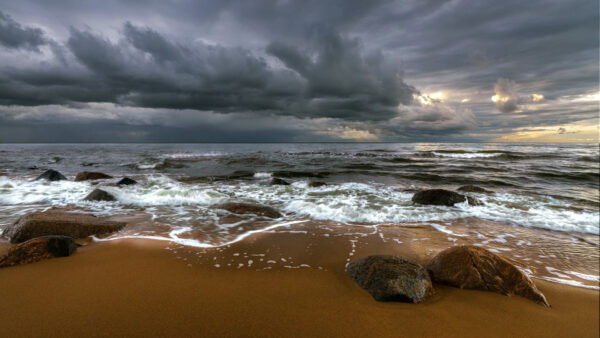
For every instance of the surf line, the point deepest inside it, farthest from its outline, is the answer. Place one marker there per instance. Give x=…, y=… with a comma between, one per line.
x=194, y=242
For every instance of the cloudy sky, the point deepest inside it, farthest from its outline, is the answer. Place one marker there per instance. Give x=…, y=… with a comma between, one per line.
x=294, y=71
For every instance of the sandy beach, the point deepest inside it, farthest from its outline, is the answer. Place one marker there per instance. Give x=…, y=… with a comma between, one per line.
x=134, y=287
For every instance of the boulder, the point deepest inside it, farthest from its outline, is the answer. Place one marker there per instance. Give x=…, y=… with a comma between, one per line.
x=442, y=197
x=316, y=184
x=472, y=267
x=90, y=175
x=391, y=278
x=127, y=181
x=279, y=181
x=51, y=175
x=99, y=195
x=249, y=208
x=59, y=222
x=38, y=249
x=473, y=188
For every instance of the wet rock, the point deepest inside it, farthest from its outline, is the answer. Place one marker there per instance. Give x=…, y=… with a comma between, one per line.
x=90, y=175
x=38, y=249
x=99, y=195
x=59, y=222
x=473, y=188
x=471, y=267
x=249, y=208
x=316, y=184
x=391, y=278
x=474, y=201
x=279, y=181
x=442, y=197
x=127, y=181
x=51, y=175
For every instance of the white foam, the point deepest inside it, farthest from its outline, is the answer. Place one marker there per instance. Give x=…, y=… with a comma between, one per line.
x=263, y=175
x=467, y=155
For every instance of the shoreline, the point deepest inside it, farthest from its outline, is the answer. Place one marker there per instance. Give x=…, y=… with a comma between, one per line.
x=138, y=287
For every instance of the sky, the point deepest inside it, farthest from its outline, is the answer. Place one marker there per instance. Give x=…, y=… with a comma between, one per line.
x=299, y=71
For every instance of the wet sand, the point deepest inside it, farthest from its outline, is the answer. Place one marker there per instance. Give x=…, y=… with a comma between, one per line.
x=152, y=288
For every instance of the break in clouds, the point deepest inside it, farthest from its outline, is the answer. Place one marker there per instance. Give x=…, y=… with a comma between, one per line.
x=292, y=71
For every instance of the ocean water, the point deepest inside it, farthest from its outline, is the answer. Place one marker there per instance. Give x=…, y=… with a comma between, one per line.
x=540, y=188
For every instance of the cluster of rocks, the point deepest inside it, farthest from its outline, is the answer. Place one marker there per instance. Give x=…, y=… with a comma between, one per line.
x=393, y=278
x=96, y=194
x=46, y=234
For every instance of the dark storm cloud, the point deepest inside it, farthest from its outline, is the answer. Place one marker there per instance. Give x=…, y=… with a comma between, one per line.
x=336, y=65
x=13, y=35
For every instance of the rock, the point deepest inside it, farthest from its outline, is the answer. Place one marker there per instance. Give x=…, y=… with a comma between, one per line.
x=474, y=201
x=473, y=188
x=99, y=195
x=91, y=175
x=391, y=278
x=442, y=197
x=316, y=184
x=59, y=222
x=249, y=208
x=279, y=181
x=38, y=249
x=471, y=267
x=127, y=181
x=51, y=175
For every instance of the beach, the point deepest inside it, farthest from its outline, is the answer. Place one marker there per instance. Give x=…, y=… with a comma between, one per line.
x=136, y=287
x=255, y=240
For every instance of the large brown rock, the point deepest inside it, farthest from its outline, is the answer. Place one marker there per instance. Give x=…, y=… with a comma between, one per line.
x=38, y=249
x=59, y=222
x=391, y=278
x=100, y=195
x=442, y=197
x=91, y=175
x=471, y=267
x=249, y=208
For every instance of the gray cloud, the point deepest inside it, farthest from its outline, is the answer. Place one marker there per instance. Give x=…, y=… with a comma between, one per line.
x=350, y=67
x=13, y=35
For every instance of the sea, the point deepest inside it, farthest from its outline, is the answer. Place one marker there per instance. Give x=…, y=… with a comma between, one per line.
x=542, y=209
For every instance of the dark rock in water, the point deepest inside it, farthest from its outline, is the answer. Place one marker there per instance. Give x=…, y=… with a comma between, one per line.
x=59, y=222
x=391, y=278
x=91, y=175
x=473, y=188
x=51, y=175
x=127, y=181
x=442, y=197
x=471, y=267
x=279, y=181
x=99, y=195
x=474, y=201
x=38, y=249
x=249, y=208
x=316, y=184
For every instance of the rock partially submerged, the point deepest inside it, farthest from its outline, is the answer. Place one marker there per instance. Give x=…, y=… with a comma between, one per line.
x=91, y=175
x=473, y=188
x=316, y=184
x=100, y=195
x=391, y=278
x=51, y=175
x=471, y=267
x=38, y=249
x=127, y=181
x=249, y=208
x=279, y=181
x=59, y=222
x=442, y=197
